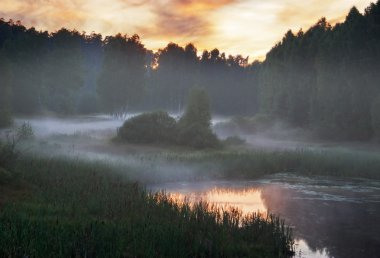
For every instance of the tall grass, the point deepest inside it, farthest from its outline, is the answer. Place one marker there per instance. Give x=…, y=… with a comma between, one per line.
x=86, y=209
x=256, y=163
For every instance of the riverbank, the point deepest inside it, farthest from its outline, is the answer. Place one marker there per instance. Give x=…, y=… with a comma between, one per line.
x=79, y=208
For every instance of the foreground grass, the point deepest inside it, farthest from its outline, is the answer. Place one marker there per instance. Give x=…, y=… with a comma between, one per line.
x=75, y=208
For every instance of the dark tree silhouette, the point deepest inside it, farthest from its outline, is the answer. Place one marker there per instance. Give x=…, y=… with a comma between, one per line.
x=121, y=81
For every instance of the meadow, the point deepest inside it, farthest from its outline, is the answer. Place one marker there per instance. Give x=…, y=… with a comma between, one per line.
x=68, y=205
x=71, y=208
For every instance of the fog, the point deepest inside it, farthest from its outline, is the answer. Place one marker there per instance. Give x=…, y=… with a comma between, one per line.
x=304, y=202
x=89, y=138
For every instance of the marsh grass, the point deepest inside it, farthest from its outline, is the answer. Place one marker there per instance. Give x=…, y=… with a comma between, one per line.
x=86, y=209
x=256, y=163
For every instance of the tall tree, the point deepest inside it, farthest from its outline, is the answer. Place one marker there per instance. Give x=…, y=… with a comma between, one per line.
x=5, y=92
x=63, y=71
x=121, y=80
x=194, y=125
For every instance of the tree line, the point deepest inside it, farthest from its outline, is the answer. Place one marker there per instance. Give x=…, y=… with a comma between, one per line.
x=67, y=72
x=325, y=79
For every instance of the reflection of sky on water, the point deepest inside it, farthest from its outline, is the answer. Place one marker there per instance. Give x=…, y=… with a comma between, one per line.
x=331, y=217
x=247, y=200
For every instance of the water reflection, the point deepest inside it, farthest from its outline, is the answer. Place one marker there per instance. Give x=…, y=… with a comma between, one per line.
x=331, y=218
x=248, y=200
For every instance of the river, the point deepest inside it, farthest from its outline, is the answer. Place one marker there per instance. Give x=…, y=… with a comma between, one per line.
x=331, y=217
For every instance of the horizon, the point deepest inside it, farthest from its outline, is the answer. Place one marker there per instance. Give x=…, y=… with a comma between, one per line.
x=202, y=23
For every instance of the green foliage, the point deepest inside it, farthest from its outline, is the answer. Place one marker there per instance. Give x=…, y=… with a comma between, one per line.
x=197, y=136
x=25, y=131
x=229, y=81
x=194, y=126
x=5, y=92
x=8, y=157
x=249, y=164
x=326, y=78
x=197, y=110
x=121, y=80
x=156, y=127
x=192, y=130
x=80, y=209
x=323, y=79
x=64, y=73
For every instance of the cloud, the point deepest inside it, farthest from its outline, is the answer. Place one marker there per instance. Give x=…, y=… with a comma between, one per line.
x=249, y=27
x=183, y=18
x=45, y=14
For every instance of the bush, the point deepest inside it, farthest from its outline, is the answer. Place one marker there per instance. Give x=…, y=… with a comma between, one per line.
x=192, y=130
x=155, y=127
x=197, y=136
x=25, y=131
x=194, y=125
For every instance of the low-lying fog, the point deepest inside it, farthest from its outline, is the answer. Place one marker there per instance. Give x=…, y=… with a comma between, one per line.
x=306, y=203
x=89, y=137
x=103, y=127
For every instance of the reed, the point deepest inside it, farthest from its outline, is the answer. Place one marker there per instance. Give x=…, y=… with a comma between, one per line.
x=87, y=209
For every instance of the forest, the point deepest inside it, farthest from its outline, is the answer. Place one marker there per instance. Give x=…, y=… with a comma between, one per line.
x=324, y=79
x=111, y=149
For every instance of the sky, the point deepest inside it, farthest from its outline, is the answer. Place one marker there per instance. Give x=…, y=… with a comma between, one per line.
x=247, y=27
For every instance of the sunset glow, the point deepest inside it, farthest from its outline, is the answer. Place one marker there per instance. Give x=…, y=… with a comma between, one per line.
x=248, y=27
x=246, y=200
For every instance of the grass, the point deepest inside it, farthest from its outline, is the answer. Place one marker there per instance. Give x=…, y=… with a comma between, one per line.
x=255, y=163
x=69, y=207
x=78, y=208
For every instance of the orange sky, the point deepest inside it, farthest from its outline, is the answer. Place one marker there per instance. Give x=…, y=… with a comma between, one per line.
x=248, y=27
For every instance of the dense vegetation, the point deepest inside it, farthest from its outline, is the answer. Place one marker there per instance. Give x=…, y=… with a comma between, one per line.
x=149, y=128
x=193, y=129
x=67, y=72
x=327, y=78
x=73, y=208
x=249, y=164
x=324, y=79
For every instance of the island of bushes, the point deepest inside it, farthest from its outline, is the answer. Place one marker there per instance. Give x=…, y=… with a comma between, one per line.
x=193, y=129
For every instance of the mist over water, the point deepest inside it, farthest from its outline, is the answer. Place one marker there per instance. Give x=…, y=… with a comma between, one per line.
x=326, y=213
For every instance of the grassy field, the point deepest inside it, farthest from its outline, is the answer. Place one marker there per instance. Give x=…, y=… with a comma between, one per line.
x=255, y=163
x=63, y=206
x=74, y=208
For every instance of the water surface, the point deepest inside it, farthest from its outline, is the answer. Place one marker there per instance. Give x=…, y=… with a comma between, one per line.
x=332, y=217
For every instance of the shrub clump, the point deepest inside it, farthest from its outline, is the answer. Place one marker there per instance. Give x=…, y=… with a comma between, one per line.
x=25, y=132
x=193, y=129
x=155, y=127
